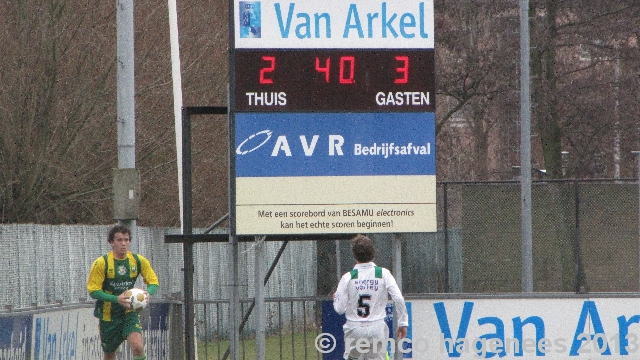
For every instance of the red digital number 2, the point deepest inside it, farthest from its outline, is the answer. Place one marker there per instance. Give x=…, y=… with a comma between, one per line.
x=264, y=70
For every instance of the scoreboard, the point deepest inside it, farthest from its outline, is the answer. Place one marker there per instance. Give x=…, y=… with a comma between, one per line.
x=334, y=80
x=332, y=117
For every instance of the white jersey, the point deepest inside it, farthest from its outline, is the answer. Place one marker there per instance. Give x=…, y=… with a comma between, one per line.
x=363, y=293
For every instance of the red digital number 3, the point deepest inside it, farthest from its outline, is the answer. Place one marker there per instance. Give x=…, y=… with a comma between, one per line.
x=402, y=70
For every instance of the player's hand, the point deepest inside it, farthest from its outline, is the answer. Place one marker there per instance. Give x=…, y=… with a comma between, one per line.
x=146, y=294
x=401, y=333
x=124, y=300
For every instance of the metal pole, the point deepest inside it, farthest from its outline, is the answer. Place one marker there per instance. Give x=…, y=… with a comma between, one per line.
x=187, y=246
x=396, y=258
x=338, y=261
x=126, y=92
x=445, y=229
x=126, y=85
x=525, y=149
x=234, y=301
x=576, y=242
x=259, y=296
x=176, y=77
x=637, y=154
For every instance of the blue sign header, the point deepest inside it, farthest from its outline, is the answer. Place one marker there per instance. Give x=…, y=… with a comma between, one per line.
x=334, y=144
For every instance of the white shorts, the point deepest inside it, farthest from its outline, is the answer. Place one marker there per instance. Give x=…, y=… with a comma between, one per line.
x=375, y=333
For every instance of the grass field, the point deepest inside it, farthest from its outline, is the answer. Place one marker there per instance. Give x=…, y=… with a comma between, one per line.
x=285, y=347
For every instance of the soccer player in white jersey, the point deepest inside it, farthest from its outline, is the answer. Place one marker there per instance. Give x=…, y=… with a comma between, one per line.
x=362, y=295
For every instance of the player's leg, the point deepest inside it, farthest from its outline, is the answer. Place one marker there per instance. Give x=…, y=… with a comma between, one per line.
x=133, y=332
x=350, y=338
x=137, y=346
x=377, y=333
x=110, y=338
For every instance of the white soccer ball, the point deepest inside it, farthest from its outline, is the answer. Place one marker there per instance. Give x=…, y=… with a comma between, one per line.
x=138, y=299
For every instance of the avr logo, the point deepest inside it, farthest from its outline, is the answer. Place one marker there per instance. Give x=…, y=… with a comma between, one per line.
x=282, y=145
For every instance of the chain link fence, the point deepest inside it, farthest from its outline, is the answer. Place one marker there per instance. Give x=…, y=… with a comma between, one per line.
x=585, y=236
x=585, y=239
x=49, y=264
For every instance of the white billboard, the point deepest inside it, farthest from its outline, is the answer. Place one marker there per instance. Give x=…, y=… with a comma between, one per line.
x=390, y=24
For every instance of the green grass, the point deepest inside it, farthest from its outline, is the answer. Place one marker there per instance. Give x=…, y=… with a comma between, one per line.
x=276, y=348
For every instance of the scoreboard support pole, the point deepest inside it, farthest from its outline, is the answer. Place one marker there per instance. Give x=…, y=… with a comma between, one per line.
x=187, y=221
x=188, y=239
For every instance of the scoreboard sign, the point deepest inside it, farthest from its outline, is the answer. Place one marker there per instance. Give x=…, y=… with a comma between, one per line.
x=332, y=117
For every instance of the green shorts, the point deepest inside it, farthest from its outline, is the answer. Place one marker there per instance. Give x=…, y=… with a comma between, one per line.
x=114, y=332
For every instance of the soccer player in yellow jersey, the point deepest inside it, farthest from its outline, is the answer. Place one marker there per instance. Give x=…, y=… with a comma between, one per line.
x=110, y=276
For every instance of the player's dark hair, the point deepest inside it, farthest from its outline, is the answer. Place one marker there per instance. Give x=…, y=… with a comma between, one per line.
x=363, y=249
x=118, y=229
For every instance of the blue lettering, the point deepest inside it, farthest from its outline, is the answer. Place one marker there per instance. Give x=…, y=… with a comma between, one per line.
x=353, y=11
x=38, y=333
x=623, y=327
x=387, y=24
x=517, y=332
x=370, y=18
x=499, y=334
x=407, y=21
x=306, y=26
x=588, y=309
x=284, y=30
x=423, y=34
x=443, y=322
x=327, y=19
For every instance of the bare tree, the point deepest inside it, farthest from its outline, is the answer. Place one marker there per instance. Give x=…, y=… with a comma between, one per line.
x=575, y=45
x=203, y=30
x=54, y=162
x=475, y=72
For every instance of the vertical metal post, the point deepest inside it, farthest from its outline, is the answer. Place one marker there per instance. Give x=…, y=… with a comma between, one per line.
x=259, y=283
x=187, y=246
x=338, y=261
x=576, y=242
x=126, y=92
x=637, y=154
x=234, y=301
x=396, y=258
x=445, y=229
x=616, y=113
x=525, y=149
x=126, y=85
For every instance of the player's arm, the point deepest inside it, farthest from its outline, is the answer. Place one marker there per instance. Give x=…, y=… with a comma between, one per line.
x=96, y=279
x=398, y=300
x=149, y=276
x=341, y=296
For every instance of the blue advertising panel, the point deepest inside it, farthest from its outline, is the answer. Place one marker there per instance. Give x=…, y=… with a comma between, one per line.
x=332, y=343
x=327, y=144
x=15, y=337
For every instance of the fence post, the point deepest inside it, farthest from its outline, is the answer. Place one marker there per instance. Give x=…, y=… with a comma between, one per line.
x=445, y=229
x=579, y=287
x=637, y=154
x=261, y=320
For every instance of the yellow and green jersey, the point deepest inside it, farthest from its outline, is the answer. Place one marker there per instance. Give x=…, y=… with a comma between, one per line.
x=109, y=277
